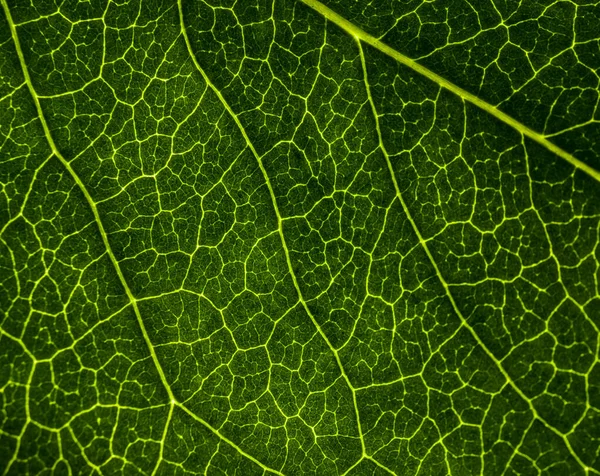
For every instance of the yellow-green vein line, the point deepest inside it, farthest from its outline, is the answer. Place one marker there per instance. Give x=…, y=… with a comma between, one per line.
x=279, y=221
x=362, y=35
x=96, y=214
x=440, y=277
x=86, y=194
x=164, y=438
x=228, y=441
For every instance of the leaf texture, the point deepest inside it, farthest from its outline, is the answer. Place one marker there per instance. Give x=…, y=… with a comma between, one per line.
x=299, y=237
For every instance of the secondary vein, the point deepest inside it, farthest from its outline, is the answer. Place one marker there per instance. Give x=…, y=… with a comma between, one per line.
x=279, y=225
x=442, y=280
x=172, y=400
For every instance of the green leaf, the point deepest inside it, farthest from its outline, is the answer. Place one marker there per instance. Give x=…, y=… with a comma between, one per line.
x=295, y=237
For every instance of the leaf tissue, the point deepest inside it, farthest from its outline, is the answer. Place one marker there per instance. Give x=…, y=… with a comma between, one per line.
x=299, y=237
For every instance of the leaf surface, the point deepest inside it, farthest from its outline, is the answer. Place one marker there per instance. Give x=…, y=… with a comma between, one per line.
x=295, y=237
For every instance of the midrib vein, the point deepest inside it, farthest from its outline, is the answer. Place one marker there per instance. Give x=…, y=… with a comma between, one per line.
x=425, y=247
x=362, y=35
x=172, y=400
x=279, y=223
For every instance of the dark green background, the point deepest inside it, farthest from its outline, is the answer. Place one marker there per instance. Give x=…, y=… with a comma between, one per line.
x=301, y=325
